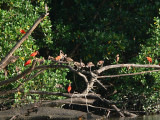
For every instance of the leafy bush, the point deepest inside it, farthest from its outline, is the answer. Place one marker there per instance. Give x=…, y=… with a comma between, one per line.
x=143, y=88
x=20, y=15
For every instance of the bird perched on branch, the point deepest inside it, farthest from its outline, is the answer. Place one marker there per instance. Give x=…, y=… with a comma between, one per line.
x=82, y=64
x=68, y=59
x=69, y=88
x=34, y=54
x=100, y=63
x=117, y=58
x=41, y=61
x=62, y=54
x=149, y=59
x=28, y=62
x=89, y=65
x=78, y=65
x=22, y=31
x=50, y=58
x=60, y=57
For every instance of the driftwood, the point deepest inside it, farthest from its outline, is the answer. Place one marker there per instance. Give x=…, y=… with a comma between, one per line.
x=87, y=97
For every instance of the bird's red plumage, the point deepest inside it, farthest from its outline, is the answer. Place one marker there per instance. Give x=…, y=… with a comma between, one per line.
x=28, y=62
x=22, y=31
x=69, y=88
x=58, y=58
x=149, y=59
x=34, y=53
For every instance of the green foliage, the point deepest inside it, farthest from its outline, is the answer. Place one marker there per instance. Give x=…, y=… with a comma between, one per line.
x=95, y=30
x=145, y=87
x=16, y=15
x=88, y=30
x=101, y=30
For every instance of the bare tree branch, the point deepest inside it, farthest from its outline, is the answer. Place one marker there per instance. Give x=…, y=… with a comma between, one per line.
x=101, y=84
x=130, y=74
x=85, y=78
x=125, y=65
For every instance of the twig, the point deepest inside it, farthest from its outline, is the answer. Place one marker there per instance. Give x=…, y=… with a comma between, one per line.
x=101, y=84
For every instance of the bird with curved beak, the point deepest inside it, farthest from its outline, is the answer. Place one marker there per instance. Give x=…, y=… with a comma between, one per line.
x=34, y=54
x=78, y=65
x=149, y=59
x=82, y=64
x=89, y=65
x=100, y=63
x=69, y=88
x=117, y=58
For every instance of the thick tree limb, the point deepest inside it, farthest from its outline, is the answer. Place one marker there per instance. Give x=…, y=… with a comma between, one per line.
x=18, y=44
x=101, y=84
x=89, y=86
x=67, y=101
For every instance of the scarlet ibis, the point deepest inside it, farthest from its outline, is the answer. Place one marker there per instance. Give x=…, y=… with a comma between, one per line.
x=50, y=58
x=89, y=65
x=117, y=58
x=62, y=55
x=34, y=53
x=68, y=59
x=100, y=63
x=149, y=59
x=28, y=62
x=41, y=61
x=58, y=58
x=82, y=64
x=69, y=88
x=78, y=65
x=22, y=31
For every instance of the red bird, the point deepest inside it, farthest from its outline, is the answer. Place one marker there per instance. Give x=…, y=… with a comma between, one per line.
x=34, y=53
x=28, y=62
x=22, y=31
x=58, y=58
x=69, y=88
x=149, y=59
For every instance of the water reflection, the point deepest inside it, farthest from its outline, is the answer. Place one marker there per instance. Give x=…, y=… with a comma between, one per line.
x=145, y=117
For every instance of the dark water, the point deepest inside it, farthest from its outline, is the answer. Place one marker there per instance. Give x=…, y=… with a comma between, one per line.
x=145, y=117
